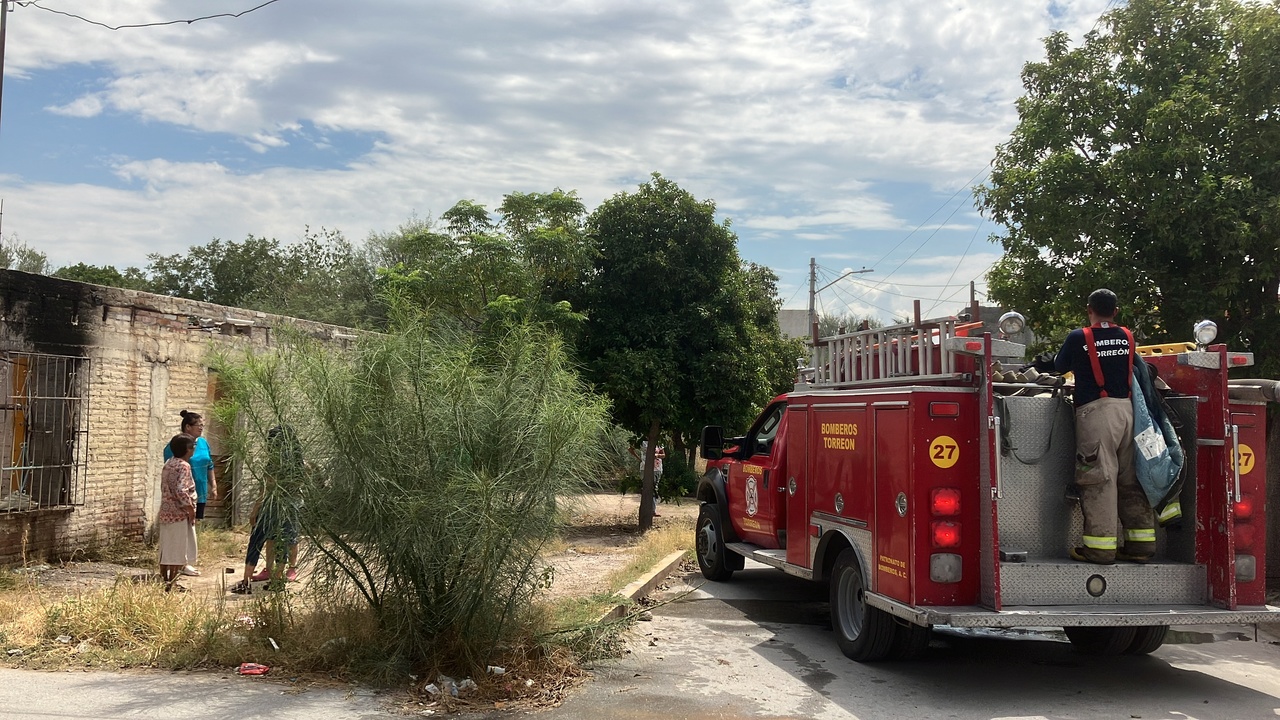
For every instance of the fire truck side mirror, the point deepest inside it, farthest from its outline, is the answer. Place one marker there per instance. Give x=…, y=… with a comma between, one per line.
x=712, y=445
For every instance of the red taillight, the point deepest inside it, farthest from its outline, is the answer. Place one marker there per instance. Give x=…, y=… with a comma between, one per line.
x=945, y=502
x=946, y=534
x=1245, y=535
x=1239, y=360
x=944, y=409
x=973, y=345
x=1244, y=509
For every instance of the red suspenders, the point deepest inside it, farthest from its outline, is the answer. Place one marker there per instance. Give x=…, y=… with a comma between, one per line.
x=1097, y=365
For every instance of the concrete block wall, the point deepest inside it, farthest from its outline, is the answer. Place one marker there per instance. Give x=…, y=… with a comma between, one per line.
x=148, y=357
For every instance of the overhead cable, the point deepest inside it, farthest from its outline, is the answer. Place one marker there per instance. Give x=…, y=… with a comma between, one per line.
x=38, y=6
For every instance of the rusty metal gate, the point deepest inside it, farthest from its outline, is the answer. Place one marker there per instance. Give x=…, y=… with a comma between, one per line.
x=43, y=430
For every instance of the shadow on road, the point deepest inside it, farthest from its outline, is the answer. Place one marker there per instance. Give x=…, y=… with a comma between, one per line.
x=1018, y=675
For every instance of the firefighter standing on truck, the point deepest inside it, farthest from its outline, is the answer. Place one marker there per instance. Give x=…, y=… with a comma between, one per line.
x=1101, y=358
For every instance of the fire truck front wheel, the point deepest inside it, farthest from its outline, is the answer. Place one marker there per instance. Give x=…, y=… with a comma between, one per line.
x=864, y=633
x=713, y=558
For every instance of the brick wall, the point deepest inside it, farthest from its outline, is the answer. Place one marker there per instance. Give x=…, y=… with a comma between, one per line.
x=148, y=357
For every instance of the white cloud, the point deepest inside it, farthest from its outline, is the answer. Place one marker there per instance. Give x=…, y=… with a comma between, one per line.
x=85, y=106
x=798, y=117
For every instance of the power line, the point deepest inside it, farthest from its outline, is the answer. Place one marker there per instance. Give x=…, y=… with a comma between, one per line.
x=956, y=269
x=862, y=299
x=962, y=188
x=926, y=240
x=38, y=6
x=1105, y=10
x=910, y=285
x=843, y=295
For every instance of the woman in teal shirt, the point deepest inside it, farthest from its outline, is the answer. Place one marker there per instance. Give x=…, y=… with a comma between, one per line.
x=201, y=467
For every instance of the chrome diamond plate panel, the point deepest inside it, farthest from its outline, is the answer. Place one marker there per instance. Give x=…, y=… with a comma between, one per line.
x=862, y=543
x=1063, y=582
x=1108, y=616
x=1038, y=463
x=1034, y=516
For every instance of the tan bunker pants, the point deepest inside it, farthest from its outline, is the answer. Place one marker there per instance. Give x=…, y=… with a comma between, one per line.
x=1109, y=490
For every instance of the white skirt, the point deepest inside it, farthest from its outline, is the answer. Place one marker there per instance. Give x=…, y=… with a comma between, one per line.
x=177, y=543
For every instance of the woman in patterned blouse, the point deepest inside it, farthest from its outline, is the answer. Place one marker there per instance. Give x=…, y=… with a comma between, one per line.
x=177, y=518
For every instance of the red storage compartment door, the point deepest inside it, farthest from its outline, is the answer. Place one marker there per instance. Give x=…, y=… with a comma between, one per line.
x=893, y=526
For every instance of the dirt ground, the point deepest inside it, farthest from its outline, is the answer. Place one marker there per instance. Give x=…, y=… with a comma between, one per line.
x=602, y=533
x=600, y=538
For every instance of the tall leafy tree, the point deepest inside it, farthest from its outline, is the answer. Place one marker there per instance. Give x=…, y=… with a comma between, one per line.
x=323, y=277
x=225, y=273
x=16, y=254
x=524, y=266
x=672, y=317
x=132, y=278
x=1147, y=160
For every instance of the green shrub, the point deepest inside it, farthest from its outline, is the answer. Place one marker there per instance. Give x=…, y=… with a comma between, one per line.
x=434, y=460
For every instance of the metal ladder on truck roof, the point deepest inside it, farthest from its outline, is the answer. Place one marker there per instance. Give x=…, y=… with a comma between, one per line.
x=919, y=350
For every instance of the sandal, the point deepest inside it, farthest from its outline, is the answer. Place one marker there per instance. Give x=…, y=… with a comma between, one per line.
x=242, y=588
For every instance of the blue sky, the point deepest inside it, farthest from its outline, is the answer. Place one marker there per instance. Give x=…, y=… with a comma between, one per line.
x=848, y=130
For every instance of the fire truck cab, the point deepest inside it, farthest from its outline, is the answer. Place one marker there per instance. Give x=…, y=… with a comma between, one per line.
x=924, y=493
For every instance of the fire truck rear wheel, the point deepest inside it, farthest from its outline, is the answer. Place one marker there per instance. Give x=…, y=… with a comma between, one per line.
x=1101, y=640
x=910, y=641
x=864, y=633
x=709, y=543
x=1147, y=639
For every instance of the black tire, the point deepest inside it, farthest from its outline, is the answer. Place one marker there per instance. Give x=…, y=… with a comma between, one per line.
x=1146, y=639
x=909, y=640
x=1101, y=640
x=864, y=633
x=709, y=544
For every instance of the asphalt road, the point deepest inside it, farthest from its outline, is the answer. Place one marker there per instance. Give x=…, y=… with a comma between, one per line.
x=759, y=646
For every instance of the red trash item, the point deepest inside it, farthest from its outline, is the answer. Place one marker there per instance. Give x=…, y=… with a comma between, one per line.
x=252, y=669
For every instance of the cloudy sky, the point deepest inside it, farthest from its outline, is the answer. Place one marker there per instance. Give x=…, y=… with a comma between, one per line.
x=846, y=130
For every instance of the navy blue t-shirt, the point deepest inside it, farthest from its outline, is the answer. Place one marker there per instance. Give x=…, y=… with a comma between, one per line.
x=1113, y=355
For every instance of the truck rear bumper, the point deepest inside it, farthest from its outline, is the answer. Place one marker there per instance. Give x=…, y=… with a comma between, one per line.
x=1074, y=615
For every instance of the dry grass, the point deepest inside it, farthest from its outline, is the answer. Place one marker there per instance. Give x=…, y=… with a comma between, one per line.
x=655, y=545
x=22, y=609
x=137, y=624
x=221, y=542
x=131, y=624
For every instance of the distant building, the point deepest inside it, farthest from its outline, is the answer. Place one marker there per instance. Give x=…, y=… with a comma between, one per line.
x=794, y=323
x=91, y=382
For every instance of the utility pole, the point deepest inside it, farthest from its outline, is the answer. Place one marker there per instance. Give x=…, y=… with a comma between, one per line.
x=4, y=17
x=813, y=293
x=813, y=313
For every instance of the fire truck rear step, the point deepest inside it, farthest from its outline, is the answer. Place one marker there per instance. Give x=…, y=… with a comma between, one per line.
x=1074, y=615
x=1068, y=582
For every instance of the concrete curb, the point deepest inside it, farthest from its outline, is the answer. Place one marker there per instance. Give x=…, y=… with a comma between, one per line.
x=645, y=584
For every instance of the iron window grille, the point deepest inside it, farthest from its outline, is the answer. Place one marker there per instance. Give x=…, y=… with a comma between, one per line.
x=44, y=431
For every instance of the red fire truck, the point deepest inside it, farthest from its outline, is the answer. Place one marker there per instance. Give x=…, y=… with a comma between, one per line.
x=925, y=493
